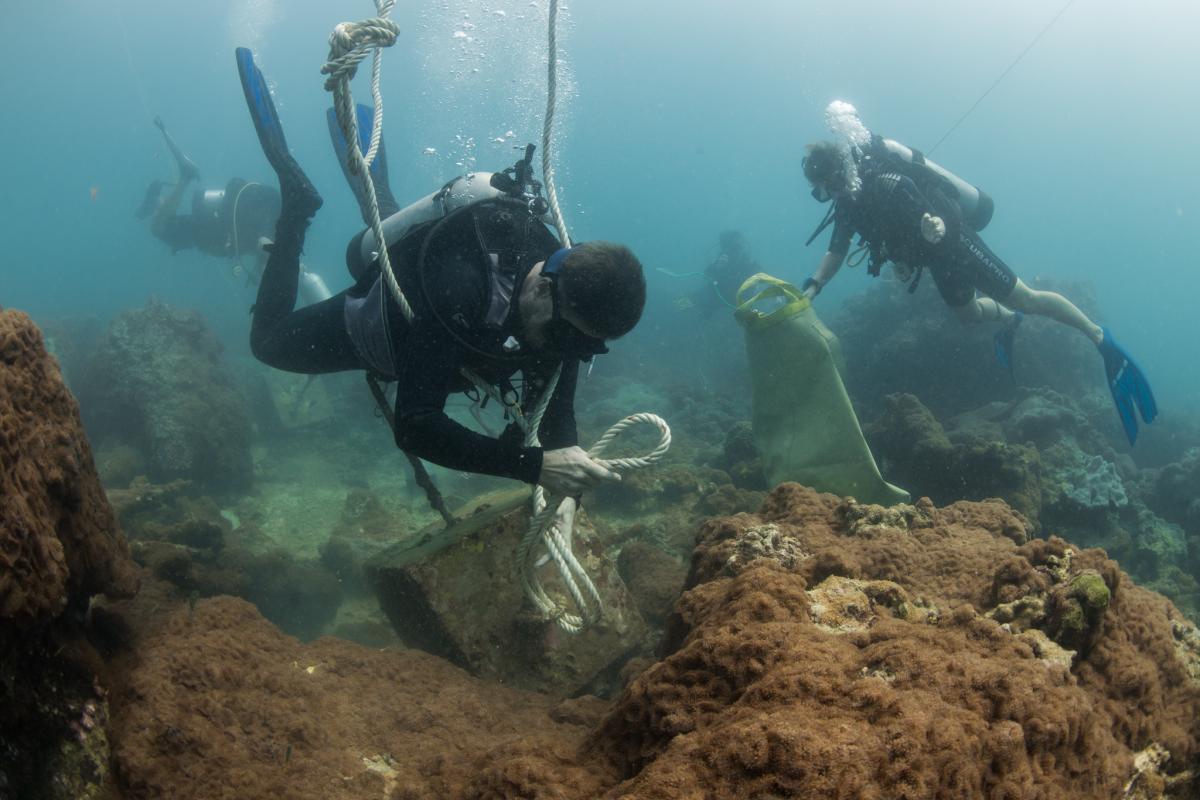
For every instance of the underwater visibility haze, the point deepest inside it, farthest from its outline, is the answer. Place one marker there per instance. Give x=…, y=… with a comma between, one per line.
x=897, y=513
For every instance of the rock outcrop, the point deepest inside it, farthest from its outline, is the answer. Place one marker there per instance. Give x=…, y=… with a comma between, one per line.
x=59, y=546
x=821, y=649
x=157, y=383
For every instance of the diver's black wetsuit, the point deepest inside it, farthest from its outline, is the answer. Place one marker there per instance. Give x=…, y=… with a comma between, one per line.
x=210, y=228
x=887, y=214
x=450, y=332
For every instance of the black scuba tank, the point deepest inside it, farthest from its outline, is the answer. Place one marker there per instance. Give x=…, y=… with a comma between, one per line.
x=977, y=207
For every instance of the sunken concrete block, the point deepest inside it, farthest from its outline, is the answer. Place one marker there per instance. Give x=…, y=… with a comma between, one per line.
x=457, y=594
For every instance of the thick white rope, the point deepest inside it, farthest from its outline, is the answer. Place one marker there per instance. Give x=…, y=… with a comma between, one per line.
x=544, y=529
x=548, y=127
x=348, y=46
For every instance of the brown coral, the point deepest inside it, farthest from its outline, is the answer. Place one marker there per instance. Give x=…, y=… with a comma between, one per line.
x=58, y=537
x=841, y=690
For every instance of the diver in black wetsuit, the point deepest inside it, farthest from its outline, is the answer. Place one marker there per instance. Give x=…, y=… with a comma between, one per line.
x=923, y=227
x=230, y=223
x=725, y=275
x=492, y=290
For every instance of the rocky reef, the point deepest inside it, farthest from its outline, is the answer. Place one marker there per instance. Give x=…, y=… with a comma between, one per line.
x=156, y=384
x=59, y=546
x=895, y=343
x=818, y=648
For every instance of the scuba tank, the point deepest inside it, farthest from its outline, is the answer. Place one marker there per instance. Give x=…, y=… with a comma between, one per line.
x=976, y=205
x=515, y=183
x=461, y=191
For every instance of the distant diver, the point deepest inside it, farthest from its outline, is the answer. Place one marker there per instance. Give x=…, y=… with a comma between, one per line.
x=726, y=273
x=233, y=222
x=492, y=290
x=911, y=212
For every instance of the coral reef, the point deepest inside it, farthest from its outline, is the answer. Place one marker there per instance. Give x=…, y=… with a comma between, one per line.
x=838, y=663
x=822, y=648
x=59, y=546
x=653, y=577
x=1174, y=493
x=157, y=383
x=220, y=704
x=897, y=343
x=916, y=452
x=188, y=542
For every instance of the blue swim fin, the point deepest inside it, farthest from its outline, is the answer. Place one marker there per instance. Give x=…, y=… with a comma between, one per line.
x=1128, y=385
x=298, y=193
x=379, y=169
x=1003, y=342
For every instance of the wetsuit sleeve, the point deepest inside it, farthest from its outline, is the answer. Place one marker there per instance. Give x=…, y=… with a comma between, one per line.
x=843, y=231
x=558, y=425
x=426, y=370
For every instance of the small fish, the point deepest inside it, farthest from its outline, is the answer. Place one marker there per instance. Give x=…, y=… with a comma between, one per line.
x=430, y=151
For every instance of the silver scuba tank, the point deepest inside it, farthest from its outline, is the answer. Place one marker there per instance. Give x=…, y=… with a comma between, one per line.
x=976, y=205
x=459, y=192
x=313, y=288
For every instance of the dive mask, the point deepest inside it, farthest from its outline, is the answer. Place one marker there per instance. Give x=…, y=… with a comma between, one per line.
x=561, y=336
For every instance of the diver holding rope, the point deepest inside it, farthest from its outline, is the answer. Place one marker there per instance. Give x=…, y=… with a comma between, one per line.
x=491, y=288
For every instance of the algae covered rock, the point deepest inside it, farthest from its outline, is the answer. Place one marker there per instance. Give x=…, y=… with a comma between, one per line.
x=461, y=598
x=157, y=383
x=917, y=452
x=59, y=546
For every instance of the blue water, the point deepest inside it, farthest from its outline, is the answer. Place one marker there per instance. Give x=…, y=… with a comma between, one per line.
x=681, y=119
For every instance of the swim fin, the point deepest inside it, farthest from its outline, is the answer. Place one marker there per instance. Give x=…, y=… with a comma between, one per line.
x=299, y=195
x=379, y=170
x=149, y=200
x=1003, y=342
x=1128, y=386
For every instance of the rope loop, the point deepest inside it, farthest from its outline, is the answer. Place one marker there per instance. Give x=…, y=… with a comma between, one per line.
x=544, y=530
x=350, y=43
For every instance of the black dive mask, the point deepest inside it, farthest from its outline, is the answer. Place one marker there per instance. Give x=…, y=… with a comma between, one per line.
x=560, y=336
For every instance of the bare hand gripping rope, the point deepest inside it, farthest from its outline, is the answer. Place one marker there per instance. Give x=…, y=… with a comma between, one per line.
x=349, y=44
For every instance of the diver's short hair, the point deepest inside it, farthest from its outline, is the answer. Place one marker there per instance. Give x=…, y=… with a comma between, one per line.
x=605, y=285
x=823, y=163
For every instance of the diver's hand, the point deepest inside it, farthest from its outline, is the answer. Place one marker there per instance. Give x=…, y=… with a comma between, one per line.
x=158, y=123
x=932, y=228
x=810, y=288
x=569, y=471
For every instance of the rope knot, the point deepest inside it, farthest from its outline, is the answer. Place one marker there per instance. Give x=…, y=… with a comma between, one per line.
x=349, y=44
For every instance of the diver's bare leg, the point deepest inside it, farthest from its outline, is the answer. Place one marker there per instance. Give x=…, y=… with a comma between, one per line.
x=1055, y=307
x=982, y=309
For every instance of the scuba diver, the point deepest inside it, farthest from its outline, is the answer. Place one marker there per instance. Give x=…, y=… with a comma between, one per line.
x=724, y=276
x=911, y=212
x=491, y=289
x=233, y=222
